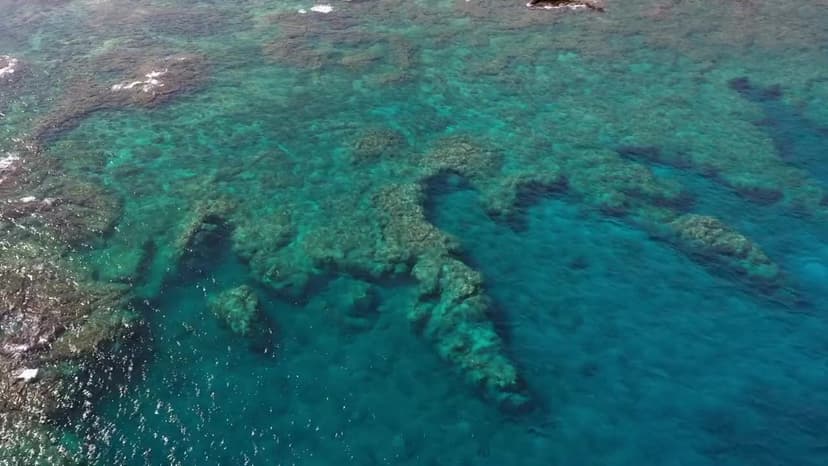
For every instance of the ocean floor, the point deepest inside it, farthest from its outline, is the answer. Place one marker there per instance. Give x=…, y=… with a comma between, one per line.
x=434, y=232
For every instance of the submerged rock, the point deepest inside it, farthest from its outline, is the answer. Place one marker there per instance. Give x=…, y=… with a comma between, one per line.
x=203, y=234
x=54, y=323
x=507, y=196
x=239, y=310
x=351, y=302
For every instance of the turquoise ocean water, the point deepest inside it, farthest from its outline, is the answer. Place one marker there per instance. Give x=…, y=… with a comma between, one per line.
x=630, y=348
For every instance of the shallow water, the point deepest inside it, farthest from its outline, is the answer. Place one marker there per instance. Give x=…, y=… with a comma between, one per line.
x=632, y=350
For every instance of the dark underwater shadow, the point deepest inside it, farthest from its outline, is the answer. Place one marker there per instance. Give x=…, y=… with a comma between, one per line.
x=798, y=140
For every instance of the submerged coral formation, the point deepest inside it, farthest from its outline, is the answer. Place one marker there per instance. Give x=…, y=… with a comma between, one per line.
x=714, y=241
x=75, y=210
x=241, y=312
x=453, y=310
x=52, y=331
x=150, y=83
x=377, y=143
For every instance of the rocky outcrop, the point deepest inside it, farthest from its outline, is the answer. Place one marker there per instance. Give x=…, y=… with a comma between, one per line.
x=54, y=324
x=202, y=235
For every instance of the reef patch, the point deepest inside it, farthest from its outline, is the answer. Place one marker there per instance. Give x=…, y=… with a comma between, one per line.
x=150, y=84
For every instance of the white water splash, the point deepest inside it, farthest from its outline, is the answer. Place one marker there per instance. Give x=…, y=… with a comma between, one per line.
x=151, y=83
x=11, y=65
x=27, y=375
x=322, y=8
x=7, y=161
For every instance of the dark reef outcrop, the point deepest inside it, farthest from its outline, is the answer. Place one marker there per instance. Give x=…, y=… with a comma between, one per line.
x=55, y=324
x=153, y=82
x=53, y=330
x=73, y=210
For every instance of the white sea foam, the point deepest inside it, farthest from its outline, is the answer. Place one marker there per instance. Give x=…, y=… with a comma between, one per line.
x=151, y=83
x=27, y=375
x=8, y=160
x=322, y=8
x=574, y=6
x=11, y=65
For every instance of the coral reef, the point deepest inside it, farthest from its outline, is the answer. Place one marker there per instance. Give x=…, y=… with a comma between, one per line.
x=199, y=21
x=453, y=310
x=203, y=233
x=298, y=216
x=314, y=42
x=605, y=181
x=53, y=330
x=374, y=144
x=54, y=324
x=506, y=194
x=73, y=210
x=240, y=311
x=712, y=240
x=352, y=303
x=464, y=156
x=153, y=82
x=262, y=244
